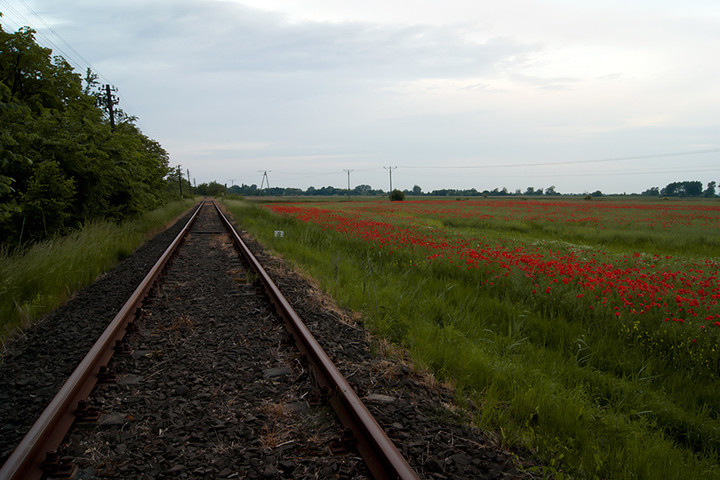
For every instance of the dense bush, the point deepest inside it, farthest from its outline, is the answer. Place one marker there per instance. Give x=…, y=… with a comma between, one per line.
x=61, y=164
x=397, y=196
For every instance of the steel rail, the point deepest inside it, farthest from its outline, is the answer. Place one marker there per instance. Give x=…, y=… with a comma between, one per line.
x=380, y=454
x=29, y=458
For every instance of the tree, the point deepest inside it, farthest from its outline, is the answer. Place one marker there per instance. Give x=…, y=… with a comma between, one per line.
x=710, y=191
x=652, y=192
x=417, y=190
x=693, y=189
x=551, y=190
x=175, y=182
x=330, y=190
x=46, y=204
x=248, y=190
x=683, y=189
x=532, y=191
x=362, y=190
x=213, y=189
x=60, y=165
x=91, y=82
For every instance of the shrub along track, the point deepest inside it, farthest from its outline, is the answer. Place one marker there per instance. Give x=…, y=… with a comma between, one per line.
x=214, y=389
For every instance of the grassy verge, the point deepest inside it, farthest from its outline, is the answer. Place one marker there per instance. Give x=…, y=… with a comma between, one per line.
x=43, y=277
x=587, y=397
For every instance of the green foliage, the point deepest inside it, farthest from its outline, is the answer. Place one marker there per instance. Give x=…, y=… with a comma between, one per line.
x=48, y=197
x=683, y=189
x=60, y=164
x=397, y=196
x=45, y=275
x=710, y=190
x=212, y=189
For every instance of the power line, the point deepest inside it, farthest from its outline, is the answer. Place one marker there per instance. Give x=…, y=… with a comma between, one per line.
x=21, y=19
x=700, y=169
x=349, y=170
x=47, y=40
x=610, y=174
x=390, y=169
x=585, y=174
x=548, y=176
x=42, y=20
x=321, y=174
x=573, y=162
x=110, y=100
x=4, y=20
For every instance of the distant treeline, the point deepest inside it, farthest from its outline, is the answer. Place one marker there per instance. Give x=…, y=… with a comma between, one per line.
x=675, y=189
x=683, y=189
x=253, y=190
x=61, y=163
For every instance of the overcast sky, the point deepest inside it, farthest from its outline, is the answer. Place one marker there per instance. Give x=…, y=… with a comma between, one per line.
x=615, y=95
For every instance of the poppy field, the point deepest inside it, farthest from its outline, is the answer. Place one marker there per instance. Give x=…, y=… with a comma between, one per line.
x=583, y=331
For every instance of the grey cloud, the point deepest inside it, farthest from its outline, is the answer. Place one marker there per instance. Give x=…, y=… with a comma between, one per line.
x=211, y=36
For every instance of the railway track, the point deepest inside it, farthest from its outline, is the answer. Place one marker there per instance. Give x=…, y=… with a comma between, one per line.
x=182, y=399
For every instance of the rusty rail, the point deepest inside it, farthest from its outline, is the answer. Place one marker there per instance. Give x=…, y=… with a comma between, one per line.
x=380, y=454
x=34, y=456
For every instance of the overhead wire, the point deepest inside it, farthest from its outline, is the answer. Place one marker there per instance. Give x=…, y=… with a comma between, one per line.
x=52, y=30
x=701, y=169
x=4, y=19
x=21, y=20
x=604, y=174
x=47, y=40
x=570, y=162
x=324, y=174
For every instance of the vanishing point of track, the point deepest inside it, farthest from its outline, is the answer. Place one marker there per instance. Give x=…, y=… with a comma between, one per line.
x=35, y=456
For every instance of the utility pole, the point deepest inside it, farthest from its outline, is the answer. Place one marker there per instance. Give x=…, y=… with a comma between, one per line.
x=179, y=175
x=109, y=101
x=264, y=178
x=188, y=175
x=232, y=182
x=348, y=172
x=390, y=169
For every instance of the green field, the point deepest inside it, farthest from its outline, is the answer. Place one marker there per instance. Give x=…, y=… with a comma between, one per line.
x=586, y=332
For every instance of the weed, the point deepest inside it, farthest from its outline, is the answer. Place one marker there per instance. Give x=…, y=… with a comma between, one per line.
x=43, y=277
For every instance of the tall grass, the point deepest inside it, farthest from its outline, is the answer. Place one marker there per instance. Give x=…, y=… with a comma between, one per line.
x=44, y=276
x=570, y=386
